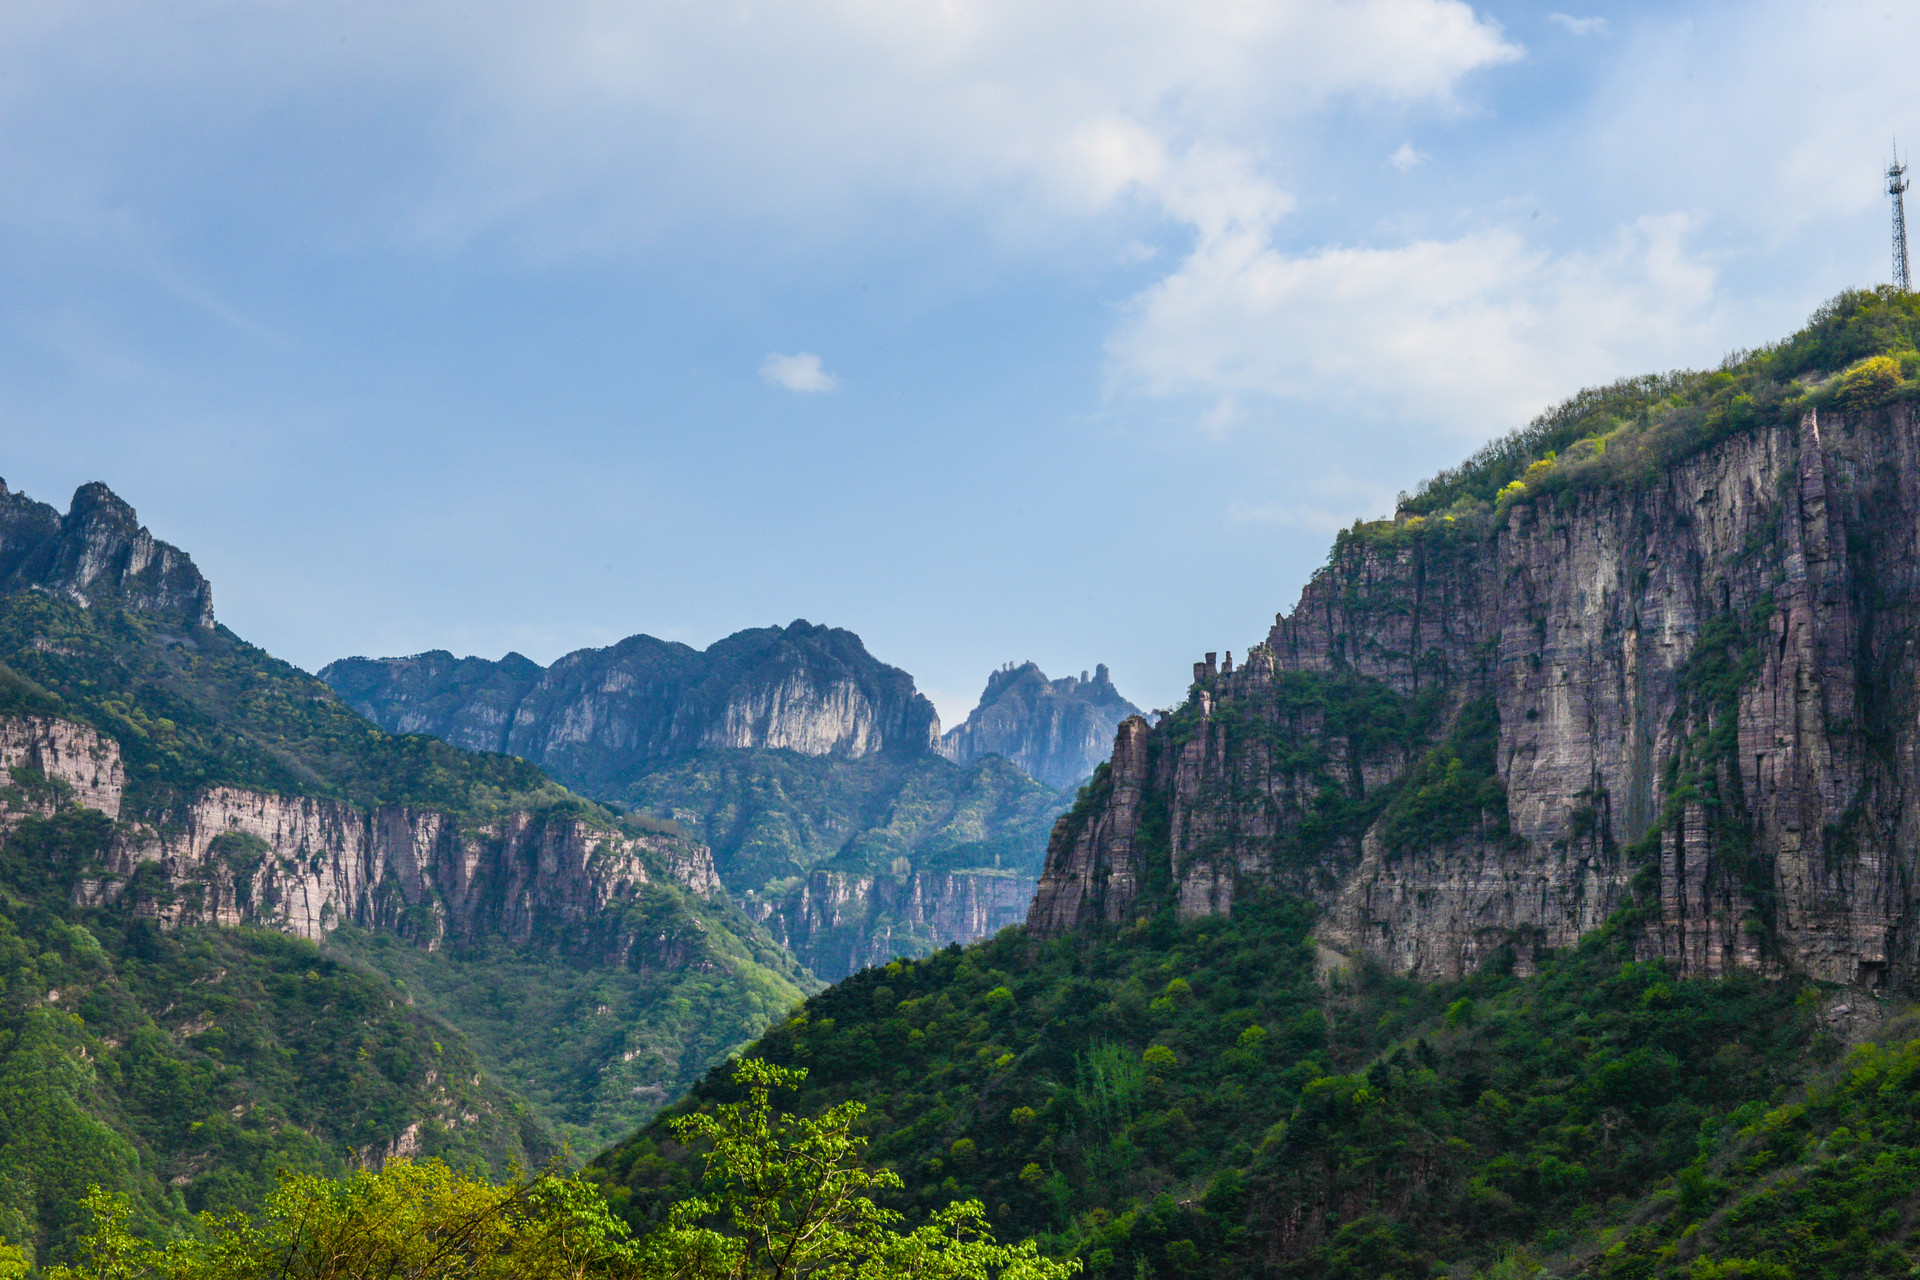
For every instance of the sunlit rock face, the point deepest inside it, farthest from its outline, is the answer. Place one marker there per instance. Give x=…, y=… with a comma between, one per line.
x=1701, y=698
x=597, y=715
x=1057, y=730
x=306, y=865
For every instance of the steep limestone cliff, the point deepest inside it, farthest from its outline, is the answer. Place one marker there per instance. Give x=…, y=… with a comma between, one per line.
x=793, y=754
x=597, y=716
x=1690, y=687
x=306, y=865
x=839, y=922
x=1057, y=730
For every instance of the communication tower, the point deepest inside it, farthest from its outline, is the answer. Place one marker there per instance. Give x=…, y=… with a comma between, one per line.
x=1897, y=187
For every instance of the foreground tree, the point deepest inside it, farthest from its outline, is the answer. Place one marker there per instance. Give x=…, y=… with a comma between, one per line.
x=789, y=1198
x=786, y=1199
x=405, y=1222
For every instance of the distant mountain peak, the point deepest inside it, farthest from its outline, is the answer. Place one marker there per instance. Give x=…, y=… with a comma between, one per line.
x=1057, y=730
x=598, y=712
x=98, y=554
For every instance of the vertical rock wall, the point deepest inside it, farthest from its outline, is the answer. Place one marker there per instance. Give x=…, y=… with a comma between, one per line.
x=307, y=865
x=1704, y=687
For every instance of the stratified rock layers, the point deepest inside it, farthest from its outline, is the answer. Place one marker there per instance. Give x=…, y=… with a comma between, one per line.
x=306, y=865
x=1707, y=683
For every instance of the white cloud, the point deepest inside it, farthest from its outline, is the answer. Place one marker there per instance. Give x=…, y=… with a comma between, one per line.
x=578, y=126
x=1474, y=333
x=799, y=372
x=1407, y=158
x=1580, y=26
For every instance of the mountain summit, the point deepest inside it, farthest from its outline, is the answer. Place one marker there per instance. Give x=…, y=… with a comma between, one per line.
x=597, y=713
x=1655, y=652
x=98, y=554
x=1057, y=730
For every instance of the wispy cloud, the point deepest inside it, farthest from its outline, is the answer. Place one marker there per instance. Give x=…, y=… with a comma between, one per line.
x=1407, y=158
x=1595, y=26
x=801, y=371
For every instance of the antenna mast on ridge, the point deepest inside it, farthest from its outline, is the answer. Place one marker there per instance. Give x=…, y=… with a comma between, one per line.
x=1897, y=187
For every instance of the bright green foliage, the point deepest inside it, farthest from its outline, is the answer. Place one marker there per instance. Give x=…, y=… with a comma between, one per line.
x=406, y=1221
x=1632, y=431
x=1820, y=1188
x=1379, y=1127
x=786, y=1198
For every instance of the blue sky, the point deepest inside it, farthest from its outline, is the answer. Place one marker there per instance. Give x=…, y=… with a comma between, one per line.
x=990, y=329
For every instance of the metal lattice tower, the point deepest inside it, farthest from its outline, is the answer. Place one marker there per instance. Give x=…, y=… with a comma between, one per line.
x=1897, y=188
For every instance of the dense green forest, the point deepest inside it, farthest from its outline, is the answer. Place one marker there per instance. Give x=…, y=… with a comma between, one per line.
x=1188, y=1100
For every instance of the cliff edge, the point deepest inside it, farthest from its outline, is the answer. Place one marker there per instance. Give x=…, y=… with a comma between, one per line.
x=1655, y=653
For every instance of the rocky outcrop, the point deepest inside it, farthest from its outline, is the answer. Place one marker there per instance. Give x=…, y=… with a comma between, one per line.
x=1700, y=694
x=596, y=716
x=306, y=865
x=806, y=764
x=838, y=923
x=1057, y=730
x=47, y=763
x=98, y=554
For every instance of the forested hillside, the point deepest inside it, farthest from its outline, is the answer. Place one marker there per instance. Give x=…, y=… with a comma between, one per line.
x=1534, y=899
x=176, y=803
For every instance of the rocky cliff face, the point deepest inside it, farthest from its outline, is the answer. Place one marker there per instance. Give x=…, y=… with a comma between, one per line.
x=306, y=865
x=838, y=923
x=806, y=765
x=98, y=554
x=1057, y=730
x=1697, y=694
x=596, y=716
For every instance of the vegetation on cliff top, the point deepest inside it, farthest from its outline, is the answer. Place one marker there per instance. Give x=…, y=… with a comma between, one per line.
x=1858, y=351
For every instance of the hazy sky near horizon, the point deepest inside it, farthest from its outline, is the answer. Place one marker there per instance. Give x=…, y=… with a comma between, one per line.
x=989, y=329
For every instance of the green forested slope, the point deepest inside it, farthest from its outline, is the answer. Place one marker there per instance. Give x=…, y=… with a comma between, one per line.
x=772, y=816
x=186, y=1067
x=193, y=708
x=1189, y=1100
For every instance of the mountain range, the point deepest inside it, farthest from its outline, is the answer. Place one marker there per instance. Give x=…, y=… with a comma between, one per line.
x=836, y=812
x=1535, y=898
